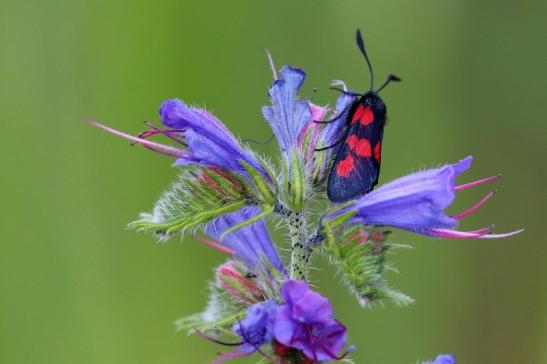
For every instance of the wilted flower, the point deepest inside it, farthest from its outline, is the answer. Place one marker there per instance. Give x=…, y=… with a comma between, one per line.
x=417, y=202
x=306, y=322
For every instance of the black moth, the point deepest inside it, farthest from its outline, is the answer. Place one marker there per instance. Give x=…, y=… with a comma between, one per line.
x=356, y=167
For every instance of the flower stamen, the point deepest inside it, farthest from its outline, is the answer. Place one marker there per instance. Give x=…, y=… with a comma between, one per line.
x=477, y=183
x=475, y=207
x=156, y=147
x=454, y=234
x=215, y=245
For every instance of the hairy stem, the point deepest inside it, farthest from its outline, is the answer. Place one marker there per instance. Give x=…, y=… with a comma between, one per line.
x=300, y=248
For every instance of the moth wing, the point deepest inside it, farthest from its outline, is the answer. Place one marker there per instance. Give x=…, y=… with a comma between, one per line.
x=355, y=170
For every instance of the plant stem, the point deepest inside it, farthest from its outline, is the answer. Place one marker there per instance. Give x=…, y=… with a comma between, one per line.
x=300, y=249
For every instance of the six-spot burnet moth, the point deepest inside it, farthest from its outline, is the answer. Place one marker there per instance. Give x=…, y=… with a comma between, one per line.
x=357, y=163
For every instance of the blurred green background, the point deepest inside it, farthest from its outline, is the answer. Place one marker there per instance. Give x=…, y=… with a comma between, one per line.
x=75, y=287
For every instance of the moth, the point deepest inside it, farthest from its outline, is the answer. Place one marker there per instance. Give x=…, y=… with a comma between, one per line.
x=356, y=167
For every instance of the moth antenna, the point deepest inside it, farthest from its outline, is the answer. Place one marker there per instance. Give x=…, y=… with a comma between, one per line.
x=388, y=80
x=361, y=45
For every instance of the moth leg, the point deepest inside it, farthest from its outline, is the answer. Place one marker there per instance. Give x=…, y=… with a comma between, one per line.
x=330, y=146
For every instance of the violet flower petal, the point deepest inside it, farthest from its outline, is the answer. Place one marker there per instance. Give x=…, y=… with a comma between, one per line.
x=256, y=328
x=415, y=202
x=332, y=132
x=208, y=139
x=287, y=115
x=251, y=243
x=305, y=322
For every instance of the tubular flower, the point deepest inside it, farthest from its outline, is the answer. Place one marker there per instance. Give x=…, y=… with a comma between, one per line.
x=305, y=322
x=208, y=140
x=201, y=139
x=251, y=243
x=287, y=115
x=417, y=202
x=256, y=329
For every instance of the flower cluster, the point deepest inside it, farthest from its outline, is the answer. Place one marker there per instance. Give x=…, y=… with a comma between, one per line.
x=260, y=302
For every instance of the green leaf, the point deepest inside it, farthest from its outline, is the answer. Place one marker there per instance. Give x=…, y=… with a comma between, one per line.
x=263, y=187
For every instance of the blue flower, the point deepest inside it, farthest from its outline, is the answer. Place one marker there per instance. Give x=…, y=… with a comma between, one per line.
x=252, y=243
x=287, y=116
x=201, y=139
x=207, y=140
x=306, y=322
x=256, y=329
x=417, y=203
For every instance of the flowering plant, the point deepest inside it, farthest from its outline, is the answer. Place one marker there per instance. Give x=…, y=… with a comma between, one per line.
x=260, y=302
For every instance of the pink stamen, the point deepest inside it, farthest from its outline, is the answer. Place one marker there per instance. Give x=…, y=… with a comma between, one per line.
x=454, y=234
x=505, y=235
x=477, y=183
x=156, y=147
x=475, y=207
x=484, y=230
x=172, y=134
x=215, y=245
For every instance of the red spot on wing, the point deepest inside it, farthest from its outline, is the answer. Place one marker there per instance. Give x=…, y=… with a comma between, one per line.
x=345, y=166
x=378, y=151
x=352, y=141
x=363, y=148
x=364, y=115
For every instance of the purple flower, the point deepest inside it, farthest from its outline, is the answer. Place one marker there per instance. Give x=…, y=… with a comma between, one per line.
x=251, y=243
x=443, y=359
x=417, y=202
x=208, y=140
x=201, y=137
x=334, y=131
x=305, y=322
x=287, y=116
x=256, y=329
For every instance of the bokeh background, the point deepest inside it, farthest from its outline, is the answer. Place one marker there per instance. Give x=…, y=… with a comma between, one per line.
x=76, y=287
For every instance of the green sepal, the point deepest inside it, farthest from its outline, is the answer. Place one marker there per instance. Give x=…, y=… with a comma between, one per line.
x=297, y=182
x=198, y=196
x=362, y=264
x=339, y=220
x=319, y=159
x=262, y=186
x=195, y=322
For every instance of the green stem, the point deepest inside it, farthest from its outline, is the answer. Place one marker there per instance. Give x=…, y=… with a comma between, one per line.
x=300, y=249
